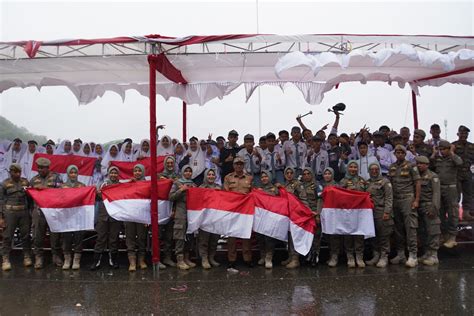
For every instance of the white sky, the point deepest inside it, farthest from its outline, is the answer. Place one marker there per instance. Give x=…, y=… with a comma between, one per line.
x=54, y=111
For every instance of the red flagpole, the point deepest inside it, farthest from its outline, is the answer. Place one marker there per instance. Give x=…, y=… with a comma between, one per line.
x=415, y=109
x=185, y=125
x=154, y=177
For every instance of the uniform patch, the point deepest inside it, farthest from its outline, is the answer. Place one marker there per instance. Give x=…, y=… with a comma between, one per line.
x=435, y=179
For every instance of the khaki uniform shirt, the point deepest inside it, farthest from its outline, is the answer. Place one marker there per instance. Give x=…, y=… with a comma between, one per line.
x=235, y=183
x=403, y=177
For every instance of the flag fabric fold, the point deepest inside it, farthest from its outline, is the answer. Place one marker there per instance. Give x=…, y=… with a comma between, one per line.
x=59, y=164
x=68, y=209
x=220, y=212
x=131, y=201
x=347, y=212
x=126, y=168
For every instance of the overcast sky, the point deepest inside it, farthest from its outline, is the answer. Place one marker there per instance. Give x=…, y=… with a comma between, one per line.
x=54, y=111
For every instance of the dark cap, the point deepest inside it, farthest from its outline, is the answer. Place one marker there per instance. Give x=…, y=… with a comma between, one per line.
x=419, y=132
x=238, y=159
x=463, y=128
x=262, y=138
x=296, y=129
x=15, y=166
x=316, y=139
x=344, y=135
x=378, y=134
x=43, y=162
x=384, y=127
x=271, y=135
x=33, y=142
x=233, y=132
x=444, y=144
x=422, y=159
x=220, y=137
x=396, y=136
x=248, y=136
x=400, y=147
x=17, y=140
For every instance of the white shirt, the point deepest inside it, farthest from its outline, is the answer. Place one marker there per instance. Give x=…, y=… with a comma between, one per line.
x=318, y=162
x=295, y=154
x=251, y=161
x=267, y=159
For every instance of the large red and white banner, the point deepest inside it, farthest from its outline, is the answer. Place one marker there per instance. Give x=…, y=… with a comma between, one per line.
x=131, y=201
x=66, y=210
x=271, y=215
x=59, y=164
x=220, y=212
x=347, y=212
x=126, y=168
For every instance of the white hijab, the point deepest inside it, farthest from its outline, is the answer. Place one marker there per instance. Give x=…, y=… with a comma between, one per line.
x=197, y=161
x=26, y=163
x=83, y=154
x=79, y=152
x=124, y=156
x=108, y=158
x=95, y=154
x=60, y=149
x=162, y=151
x=10, y=157
x=140, y=154
x=4, y=146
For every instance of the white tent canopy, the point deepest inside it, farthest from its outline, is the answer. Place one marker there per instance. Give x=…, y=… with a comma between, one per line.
x=214, y=66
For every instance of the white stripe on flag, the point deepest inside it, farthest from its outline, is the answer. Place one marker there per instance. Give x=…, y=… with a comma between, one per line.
x=61, y=220
x=138, y=210
x=271, y=224
x=220, y=222
x=348, y=222
x=302, y=239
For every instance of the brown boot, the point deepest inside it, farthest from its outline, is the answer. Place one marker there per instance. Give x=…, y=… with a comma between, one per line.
x=27, y=262
x=132, y=260
x=450, y=242
x=294, y=262
x=350, y=261
x=333, y=261
x=360, y=260
x=67, y=262
x=213, y=261
x=188, y=261
x=58, y=262
x=374, y=259
x=168, y=261
x=39, y=262
x=285, y=262
x=76, y=262
x=180, y=264
x=205, y=263
x=141, y=262
x=268, y=261
x=6, y=265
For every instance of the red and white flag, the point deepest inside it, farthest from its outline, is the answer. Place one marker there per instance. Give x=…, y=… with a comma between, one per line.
x=271, y=215
x=68, y=209
x=347, y=212
x=59, y=164
x=126, y=168
x=131, y=201
x=220, y=212
x=302, y=223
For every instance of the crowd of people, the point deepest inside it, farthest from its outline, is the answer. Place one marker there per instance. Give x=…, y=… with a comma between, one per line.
x=416, y=185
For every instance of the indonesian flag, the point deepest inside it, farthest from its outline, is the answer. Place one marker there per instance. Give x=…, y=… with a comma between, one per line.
x=220, y=212
x=271, y=215
x=59, y=164
x=68, y=209
x=302, y=223
x=126, y=168
x=347, y=212
x=131, y=201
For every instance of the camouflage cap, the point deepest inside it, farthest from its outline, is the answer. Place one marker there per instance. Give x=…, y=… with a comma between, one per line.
x=400, y=147
x=238, y=159
x=422, y=159
x=43, y=162
x=233, y=132
x=444, y=144
x=249, y=137
x=419, y=132
x=15, y=166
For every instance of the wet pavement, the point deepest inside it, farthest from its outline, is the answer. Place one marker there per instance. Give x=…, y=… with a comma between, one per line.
x=447, y=289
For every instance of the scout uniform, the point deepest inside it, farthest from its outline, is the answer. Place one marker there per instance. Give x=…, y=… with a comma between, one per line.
x=252, y=162
x=295, y=153
x=422, y=149
x=14, y=210
x=51, y=180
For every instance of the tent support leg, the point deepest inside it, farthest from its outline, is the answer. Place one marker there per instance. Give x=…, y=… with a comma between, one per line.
x=415, y=109
x=185, y=121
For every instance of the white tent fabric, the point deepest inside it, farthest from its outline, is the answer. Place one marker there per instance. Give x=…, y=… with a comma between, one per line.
x=215, y=68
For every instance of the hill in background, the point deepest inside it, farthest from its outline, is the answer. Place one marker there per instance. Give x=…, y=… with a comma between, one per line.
x=10, y=131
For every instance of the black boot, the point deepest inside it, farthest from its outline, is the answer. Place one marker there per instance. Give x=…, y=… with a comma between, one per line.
x=113, y=260
x=96, y=264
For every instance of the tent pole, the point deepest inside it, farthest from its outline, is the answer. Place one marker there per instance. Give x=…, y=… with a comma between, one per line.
x=154, y=178
x=185, y=125
x=415, y=109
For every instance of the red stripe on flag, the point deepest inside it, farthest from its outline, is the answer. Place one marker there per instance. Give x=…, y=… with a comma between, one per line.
x=63, y=198
x=275, y=204
x=200, y=198
x=126, y=168
x=339, y=198
x=136, y=190
x=59, y=163
x=299, y=213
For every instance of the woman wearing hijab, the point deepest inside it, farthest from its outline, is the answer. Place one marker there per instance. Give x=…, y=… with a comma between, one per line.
x=136, y=233
x=179, y=153
x=208, y=241
x=178, y=196
x=165, y=147
x=196, y=159
x=86, y=151
x=313, y=190
x=381, y=194
x=64, y=148
x=293, y=186
x=49, y=149
x=72, y=237
x=126, y=152
x=265, y=243
x=354, y=243
x=26, y=160
x=111, y=155
x=107, y=228
x=13, y=155
x=144, y=150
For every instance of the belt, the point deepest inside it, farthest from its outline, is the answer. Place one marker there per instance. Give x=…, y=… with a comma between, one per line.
x=449, y=185
x=15, y=207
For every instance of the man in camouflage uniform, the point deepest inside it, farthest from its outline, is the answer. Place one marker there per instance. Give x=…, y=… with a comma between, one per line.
x=446, y=165
x=406, y=186
x=428, y=211
x=45, y=179
x=465, y=150
x=14, y=211
x=421, y=149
